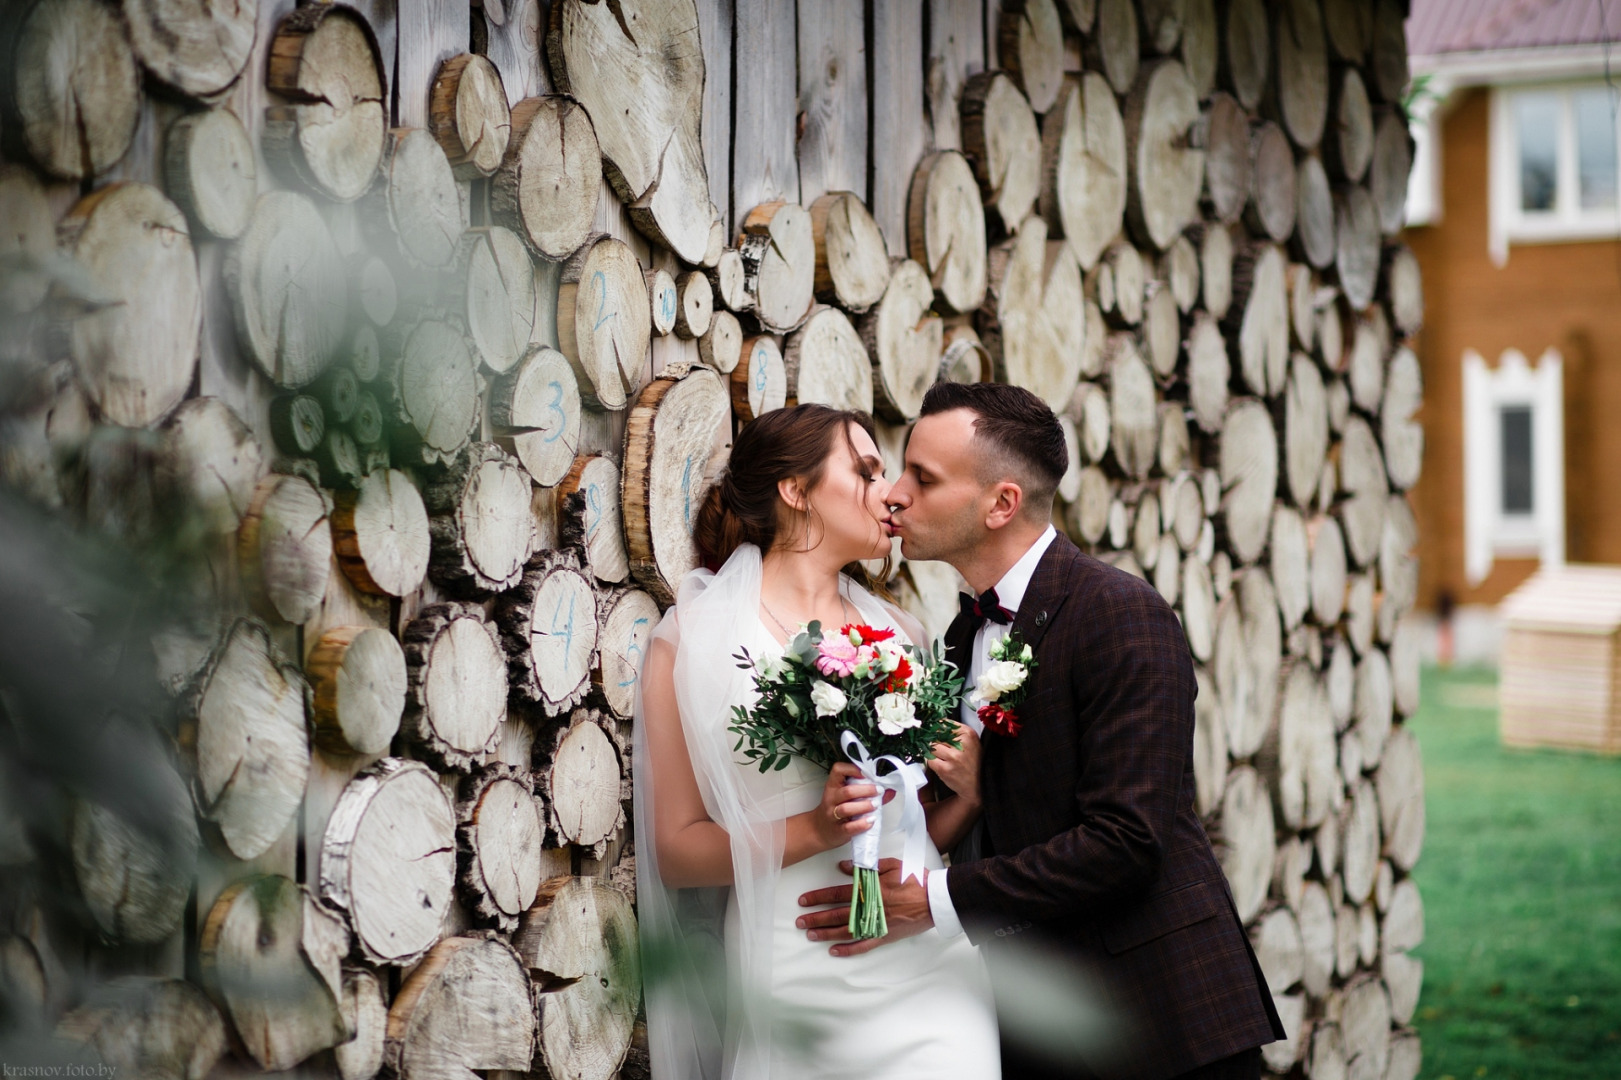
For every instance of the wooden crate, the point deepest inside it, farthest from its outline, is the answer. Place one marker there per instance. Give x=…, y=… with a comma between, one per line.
x=1561, y=660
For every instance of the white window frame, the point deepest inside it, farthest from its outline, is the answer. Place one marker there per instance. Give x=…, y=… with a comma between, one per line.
x=1488, y=532
x=1567, y=221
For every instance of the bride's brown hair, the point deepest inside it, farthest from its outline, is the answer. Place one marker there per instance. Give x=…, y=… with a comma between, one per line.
x=779, y=445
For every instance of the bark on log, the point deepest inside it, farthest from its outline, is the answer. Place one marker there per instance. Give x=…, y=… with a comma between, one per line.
x=456, y=684
x=945, y=229
x=580, y=937
x=778, y=248
x=826, y=360
x=1246, y=50
x=1402, y=436
x=965, y=358
x=481, y=524
x=670, y=437
x=499, y=832
x=1113, y=46
x=1314, y=214
x=582, y=773
x=135, y=353
x=759, y=382
x=627, y=618
x=271, y=959
x=135, y=875
x=162, y=1028
x=644, y=91
x=209, y=168
x=73, y=91
x=1167, y=174
x=1032, y=322
x=535, y=414
x=549, y=180
x=1244, y=841
x=388, y=859
x=695, y=305
x=1299, y=97
x=1273, y=201
x=1083, y=187
x=284, y=548
x=499, y=296
x=722, y=347
x=381, y=535
x=1223, y=133
x=468, y=114
x=325, y=60
x=589, y=517
x=1249, y=477
x=466, y=1009
x=357, y=679
x=603, y=321
x=1356, y=257
x=288, y=294
x=1000, y=136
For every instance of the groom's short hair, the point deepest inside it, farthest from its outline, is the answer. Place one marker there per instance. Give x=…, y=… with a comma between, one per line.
x=1022, y=437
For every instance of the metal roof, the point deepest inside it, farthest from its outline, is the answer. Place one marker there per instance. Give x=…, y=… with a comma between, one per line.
x=1449, y=26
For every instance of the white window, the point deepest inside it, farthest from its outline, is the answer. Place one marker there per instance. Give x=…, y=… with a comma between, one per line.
x=1555, y=159
x=1514, y=461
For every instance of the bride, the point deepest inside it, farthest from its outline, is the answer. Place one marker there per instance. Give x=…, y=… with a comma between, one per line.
x=726, y=851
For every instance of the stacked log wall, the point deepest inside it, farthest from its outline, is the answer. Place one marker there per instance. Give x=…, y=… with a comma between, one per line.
x=465, y=594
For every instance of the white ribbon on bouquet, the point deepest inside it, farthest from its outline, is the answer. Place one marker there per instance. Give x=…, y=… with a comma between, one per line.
x=905, y=779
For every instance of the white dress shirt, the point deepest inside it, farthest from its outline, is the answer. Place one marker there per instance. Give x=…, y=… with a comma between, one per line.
x=1009, y=594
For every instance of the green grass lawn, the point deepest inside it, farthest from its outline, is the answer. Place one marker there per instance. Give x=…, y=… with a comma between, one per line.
x=1521, y=879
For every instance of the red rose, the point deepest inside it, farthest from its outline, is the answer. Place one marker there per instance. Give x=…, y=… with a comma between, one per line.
x=999, y=720
x=868, y=635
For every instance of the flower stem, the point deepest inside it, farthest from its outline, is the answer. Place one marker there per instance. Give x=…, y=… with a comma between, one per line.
x=867, y=906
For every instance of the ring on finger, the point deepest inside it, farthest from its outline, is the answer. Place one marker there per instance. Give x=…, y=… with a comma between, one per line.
x=836, y=815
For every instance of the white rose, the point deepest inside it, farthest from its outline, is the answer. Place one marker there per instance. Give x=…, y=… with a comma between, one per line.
x=895, y=714
x=889, y=656
x=997, y=679
x=828, y=699
x=1026, y=654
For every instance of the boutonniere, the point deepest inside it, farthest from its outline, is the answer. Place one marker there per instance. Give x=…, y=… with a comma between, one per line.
x=1001, y=687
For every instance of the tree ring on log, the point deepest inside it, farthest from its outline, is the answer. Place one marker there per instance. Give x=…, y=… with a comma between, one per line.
x=582, y=773
x=627, y=618
x=468, y=114
x=827, y=361
x=499, y=296
x=499, y=834
x=902, y=339
x=456, y=694
x=603, y=320
x=287, y=288
x=482, y=527
x=210, y=169
x=1000, y=136
x=433, y=382
x=535, y=413
x=468, y=1006
x=590, y=519
x=357, y=676
x=945, y=229
x=381, y=534
x=550, y=180
x=549, y=625
x=852, y=262
x=778, y=247
x=284, y=548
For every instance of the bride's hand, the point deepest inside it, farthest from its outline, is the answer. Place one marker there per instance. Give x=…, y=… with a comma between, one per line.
x=959, y=768
x=838, y=818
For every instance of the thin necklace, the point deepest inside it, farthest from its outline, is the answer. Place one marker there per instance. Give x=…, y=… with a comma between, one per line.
x=844, y=608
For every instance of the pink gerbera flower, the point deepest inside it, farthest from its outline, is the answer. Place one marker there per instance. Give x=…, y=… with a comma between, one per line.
x=836, y=656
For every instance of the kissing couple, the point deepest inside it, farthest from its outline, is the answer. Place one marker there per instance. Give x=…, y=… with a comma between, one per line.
x=1072, y=835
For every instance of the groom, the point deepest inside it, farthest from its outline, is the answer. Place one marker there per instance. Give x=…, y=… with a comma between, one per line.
x=1089, y=848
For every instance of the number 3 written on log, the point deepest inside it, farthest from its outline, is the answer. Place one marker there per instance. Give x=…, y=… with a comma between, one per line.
x=633, y=652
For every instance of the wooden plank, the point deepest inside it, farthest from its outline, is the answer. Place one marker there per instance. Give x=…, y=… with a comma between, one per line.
x=516, y=47
x=430, y=32
x=764, y=165
x=715, y=35
x=900, y=126
x=832, y=98
x=956, y=51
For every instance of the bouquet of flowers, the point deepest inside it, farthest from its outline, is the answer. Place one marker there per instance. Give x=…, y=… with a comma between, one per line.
x=855, y=694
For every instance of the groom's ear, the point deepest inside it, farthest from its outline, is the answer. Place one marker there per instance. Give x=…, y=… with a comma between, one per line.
x=1009, y=499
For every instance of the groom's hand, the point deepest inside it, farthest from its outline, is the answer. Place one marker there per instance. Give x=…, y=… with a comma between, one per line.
x=906, y=910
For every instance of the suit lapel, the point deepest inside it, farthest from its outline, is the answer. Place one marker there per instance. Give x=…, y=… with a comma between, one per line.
x=1049, y=588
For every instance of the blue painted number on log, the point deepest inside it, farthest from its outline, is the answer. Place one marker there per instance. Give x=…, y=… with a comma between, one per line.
x=686, y=494
x=567, y=627
x=556, y=406
x=593, y=507
x=633, y=653
x=601, y=282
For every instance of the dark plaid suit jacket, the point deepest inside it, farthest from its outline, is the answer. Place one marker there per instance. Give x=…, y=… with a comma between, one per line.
x=1090, y=845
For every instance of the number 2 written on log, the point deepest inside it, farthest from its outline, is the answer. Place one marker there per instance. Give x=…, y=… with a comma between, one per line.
x=600, y=280
x=633, y=652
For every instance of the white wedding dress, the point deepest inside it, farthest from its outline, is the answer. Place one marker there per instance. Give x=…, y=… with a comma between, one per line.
x=916, y=1009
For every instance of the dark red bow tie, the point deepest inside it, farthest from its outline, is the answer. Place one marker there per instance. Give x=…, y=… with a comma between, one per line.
x=984, y=608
